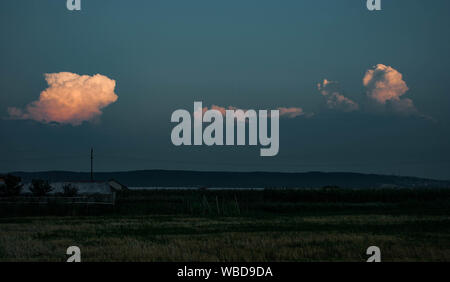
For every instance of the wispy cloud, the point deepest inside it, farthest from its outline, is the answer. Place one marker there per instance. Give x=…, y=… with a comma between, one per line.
x=287, y=112
x=335, y=100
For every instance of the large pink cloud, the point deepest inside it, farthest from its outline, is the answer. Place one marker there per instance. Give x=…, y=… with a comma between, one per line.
x=385, y=86
x=384, y=83
x=69, y=99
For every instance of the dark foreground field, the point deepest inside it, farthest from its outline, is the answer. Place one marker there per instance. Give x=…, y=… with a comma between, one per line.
x=286, y=225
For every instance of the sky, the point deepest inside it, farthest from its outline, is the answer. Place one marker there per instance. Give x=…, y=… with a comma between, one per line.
x=368, y=88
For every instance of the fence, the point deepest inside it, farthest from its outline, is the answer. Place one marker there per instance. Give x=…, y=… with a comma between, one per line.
x=95, y=199
x=57, y=205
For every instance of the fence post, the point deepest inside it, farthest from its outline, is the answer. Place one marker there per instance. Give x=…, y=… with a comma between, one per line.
x=217, y=204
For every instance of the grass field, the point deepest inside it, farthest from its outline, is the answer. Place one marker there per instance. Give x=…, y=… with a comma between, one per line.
x=241, y=226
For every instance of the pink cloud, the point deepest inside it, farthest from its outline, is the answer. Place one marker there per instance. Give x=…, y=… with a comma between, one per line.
x=291, y=112
x=69, y=99
x=384, y=83
x=385, y=87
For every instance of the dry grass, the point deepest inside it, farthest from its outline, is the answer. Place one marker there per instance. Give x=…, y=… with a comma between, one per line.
x=188, y=238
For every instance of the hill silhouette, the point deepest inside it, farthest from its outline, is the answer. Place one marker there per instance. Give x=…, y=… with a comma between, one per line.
x=172, y=178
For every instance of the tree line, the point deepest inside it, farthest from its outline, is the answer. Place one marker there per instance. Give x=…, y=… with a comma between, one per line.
x=13, y=187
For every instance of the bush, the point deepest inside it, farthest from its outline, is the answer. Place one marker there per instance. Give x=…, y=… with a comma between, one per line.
x=40, y=187
x=12, y=186
x=70, y=190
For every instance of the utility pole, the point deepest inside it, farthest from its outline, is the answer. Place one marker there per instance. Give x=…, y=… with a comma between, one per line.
x=92, y=164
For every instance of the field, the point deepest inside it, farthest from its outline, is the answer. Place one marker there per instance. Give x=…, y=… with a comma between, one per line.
x=271, y=225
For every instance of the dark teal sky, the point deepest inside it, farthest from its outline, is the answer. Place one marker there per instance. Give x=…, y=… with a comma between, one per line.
x=258, y=54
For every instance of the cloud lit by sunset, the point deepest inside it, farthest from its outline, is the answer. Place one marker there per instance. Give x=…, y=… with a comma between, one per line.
x=69, y=99
x=335, y=100
x=288, y=112
x=384, y=83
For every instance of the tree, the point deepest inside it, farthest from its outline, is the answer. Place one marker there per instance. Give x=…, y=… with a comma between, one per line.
x=70, y=190
x=40, y=187
x=12, y=186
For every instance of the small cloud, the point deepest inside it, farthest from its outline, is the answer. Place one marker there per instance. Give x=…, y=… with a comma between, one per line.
x=291, y=112
x=69, y=99
x=335, y=100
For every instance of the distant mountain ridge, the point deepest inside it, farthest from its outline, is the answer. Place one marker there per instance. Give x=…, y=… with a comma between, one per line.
x=179, y=178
